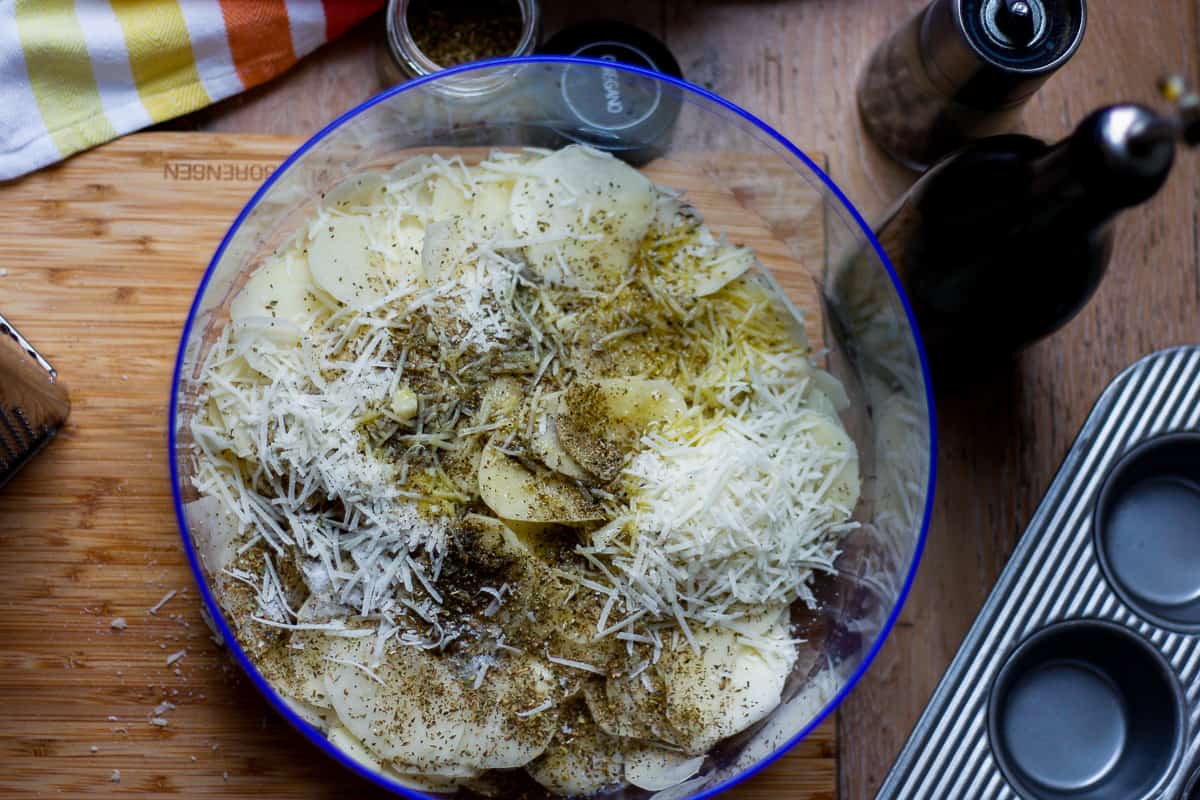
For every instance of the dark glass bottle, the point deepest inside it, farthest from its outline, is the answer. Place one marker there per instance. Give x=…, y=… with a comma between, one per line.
x=1005, y=241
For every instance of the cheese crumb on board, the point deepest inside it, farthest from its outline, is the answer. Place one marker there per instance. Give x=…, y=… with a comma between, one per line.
x=166, y=598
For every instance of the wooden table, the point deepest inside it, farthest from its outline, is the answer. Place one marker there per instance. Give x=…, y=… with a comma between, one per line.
x=794, y=64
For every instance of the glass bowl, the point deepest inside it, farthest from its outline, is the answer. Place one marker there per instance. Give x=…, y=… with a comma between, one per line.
x=821, y=252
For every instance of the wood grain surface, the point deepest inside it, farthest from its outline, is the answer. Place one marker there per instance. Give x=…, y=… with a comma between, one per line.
x=794, y=63
x=103, y=255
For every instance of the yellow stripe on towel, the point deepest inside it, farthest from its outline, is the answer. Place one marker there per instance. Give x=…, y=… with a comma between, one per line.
x=60, y=74
x=160, y=57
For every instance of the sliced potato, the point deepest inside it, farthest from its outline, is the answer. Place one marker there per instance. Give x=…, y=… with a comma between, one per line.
x=426, y=716
x=725, y=265
x=357, y=192
x=427, y=781
x=340, y=260
x=317, y=717
x=596, y=209
x=214, y=529
x=403, y=265
x=545, y=444
x=832, y=388
x=449, y=200
x=462, y=465
x=491, y=538
x=655, y=769
x=585, y=762
x=449, y=772
x=544, y=540
x=277, y=299
x=263, y=354
x=601, y=420
x=444, y=250
x=515, y=492
x=629, y=708
x=691, y=261
x=299, y=673
x=637, y=402
x=725, y=689
x=818, y=401
x=490, y=209
x=827, y=432
x=500, y=399
x=341, y=738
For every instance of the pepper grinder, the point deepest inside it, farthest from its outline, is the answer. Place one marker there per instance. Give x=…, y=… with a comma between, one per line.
x=962, y=70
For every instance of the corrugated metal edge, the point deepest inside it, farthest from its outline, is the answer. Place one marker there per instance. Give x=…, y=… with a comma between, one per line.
x=1052, y=575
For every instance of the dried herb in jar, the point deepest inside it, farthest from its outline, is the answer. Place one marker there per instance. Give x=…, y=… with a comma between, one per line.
x=451, y=32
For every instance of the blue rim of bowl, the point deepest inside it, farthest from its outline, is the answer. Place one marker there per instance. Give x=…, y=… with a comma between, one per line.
x=274, y=698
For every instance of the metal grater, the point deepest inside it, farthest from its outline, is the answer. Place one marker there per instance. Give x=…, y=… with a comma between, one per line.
x=33, y=404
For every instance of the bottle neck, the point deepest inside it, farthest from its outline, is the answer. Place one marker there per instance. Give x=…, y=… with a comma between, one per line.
x=1065, y=190
x=1117, y=158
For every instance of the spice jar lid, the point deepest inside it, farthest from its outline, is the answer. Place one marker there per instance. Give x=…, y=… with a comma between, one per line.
x=624, y=113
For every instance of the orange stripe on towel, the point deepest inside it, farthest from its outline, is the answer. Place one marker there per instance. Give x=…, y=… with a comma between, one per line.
x=259, y=38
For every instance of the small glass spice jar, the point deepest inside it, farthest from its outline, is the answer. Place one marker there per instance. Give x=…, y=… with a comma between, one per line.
x=456, y=32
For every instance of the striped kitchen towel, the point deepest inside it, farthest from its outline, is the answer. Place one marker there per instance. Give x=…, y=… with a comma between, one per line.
x=75, y=73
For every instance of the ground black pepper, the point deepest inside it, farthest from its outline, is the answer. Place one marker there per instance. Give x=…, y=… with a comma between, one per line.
x=451, y=32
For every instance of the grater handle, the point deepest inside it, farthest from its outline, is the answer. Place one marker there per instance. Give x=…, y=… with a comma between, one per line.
x=33, y=403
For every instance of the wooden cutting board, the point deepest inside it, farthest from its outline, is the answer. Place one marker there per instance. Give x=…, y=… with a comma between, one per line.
x=100, y=257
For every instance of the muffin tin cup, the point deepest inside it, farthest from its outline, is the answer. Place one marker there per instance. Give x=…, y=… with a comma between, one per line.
x=1147, y=530
x=1086, y=710
x=1080, y=680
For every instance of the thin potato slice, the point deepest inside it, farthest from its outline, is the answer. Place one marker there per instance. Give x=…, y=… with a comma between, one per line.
x=492, y=538
x=490, y=209
x=655, y=769
x=594, y=210
x=729, y=264
x=317, y=717
x=699, y=263
x=500, y=401
x=276, y=300
x=585, y=762
x=449, y=200
x=725, y=689
x=545, y=443
x=601, y=420
x=426, y=781
x=425, y=716
x=515, y=492
x=443, y=254
x=340, y=259
x=403, y=265
x=846, y=485
x=357, y=192
x=626, y=707
x=348, y=743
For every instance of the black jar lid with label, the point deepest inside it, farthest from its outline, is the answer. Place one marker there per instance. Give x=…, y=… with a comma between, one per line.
x=621, y=112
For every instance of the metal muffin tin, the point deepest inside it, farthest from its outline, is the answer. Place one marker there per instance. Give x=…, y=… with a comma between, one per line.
x=1080, y=678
